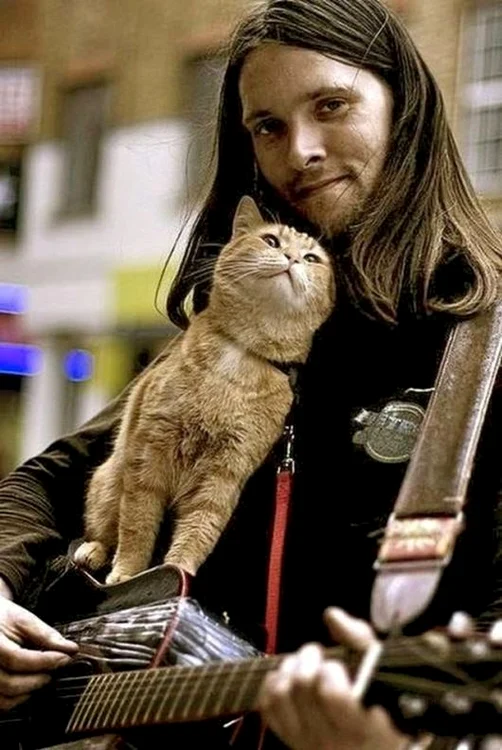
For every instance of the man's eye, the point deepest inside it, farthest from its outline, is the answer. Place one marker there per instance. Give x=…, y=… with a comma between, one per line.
x=311, y=258
x=271, y=240
x=266, y=127
x=332, y=105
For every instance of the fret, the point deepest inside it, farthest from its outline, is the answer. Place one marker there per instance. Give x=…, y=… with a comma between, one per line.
x=92, y=702
x=127, y=690
x=85, y=706
x=185, y=677
x=171, y=675
x=212, y=683
x=159, y=679
x=218, y=706
x=120, y=686
x=113, y=701
x=143, y=683
x=198, y=683
x=107, y=698
x=245, y=697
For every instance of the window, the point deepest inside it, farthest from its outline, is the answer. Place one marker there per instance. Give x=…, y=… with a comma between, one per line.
x=84, y=118
x=484, y=99
x=205, y=75
x=10, y=191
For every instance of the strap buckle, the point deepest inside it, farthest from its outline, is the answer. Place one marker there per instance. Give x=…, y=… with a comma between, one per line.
x=419, y=542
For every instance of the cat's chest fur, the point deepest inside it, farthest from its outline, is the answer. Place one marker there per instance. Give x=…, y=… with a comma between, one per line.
x=215, y=390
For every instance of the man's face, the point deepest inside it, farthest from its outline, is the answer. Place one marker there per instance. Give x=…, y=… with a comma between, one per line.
x=320, y=130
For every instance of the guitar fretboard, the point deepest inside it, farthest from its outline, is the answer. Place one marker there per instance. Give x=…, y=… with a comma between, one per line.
x=185, y=694
x=170, y=694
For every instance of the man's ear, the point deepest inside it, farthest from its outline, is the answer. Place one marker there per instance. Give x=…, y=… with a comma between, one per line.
x=247, y=217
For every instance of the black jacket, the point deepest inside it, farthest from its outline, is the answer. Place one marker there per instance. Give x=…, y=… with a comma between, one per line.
x=342, y=496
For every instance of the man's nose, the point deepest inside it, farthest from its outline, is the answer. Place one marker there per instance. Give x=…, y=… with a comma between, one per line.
x=306, y=147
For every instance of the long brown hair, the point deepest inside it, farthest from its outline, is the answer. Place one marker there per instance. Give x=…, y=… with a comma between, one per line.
x=423, y=214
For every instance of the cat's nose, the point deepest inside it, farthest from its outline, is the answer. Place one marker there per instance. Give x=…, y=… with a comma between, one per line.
x=291, y=258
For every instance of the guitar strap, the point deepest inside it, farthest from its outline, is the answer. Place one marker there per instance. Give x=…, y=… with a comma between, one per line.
x=428, y=516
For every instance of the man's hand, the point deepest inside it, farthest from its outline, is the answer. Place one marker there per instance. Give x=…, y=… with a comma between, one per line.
x=29, y=651
x=309, y=703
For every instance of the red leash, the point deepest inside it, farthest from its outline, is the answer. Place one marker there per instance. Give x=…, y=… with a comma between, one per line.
x=283, y=493
x=283, y=490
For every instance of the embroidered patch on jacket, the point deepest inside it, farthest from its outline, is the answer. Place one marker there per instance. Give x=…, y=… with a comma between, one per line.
x=389, y=435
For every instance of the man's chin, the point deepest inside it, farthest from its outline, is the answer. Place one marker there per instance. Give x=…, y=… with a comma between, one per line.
x=328, y=222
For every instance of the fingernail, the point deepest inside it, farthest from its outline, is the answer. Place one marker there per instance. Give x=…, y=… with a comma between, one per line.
x=460, y=625
x=333, y=612
x=496, y=632
x=62, y=660
x=65, y=642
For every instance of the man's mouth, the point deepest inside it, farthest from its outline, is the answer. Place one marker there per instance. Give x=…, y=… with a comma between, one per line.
x=310, y=188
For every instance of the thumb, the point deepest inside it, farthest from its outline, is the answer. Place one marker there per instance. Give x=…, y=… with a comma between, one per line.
x=38, y=633
x=348, y=630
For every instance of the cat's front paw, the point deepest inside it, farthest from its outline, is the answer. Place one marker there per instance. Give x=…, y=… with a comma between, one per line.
x=116, y=576
x=180, y=561
x=92, y=555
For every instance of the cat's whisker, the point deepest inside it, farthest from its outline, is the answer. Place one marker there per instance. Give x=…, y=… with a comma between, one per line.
x=205, y=262
x=211, y=244
x=237, y=278
x=201, y=269
x=200, y=278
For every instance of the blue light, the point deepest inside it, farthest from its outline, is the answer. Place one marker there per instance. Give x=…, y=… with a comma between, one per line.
x=13, y=299
x=78, y=365
x=20, y=359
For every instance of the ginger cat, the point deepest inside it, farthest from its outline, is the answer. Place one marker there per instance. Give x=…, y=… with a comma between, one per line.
x=198, y=423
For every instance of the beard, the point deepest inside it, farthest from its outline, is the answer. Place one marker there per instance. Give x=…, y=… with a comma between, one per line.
x=331, y=217
x=322, y=216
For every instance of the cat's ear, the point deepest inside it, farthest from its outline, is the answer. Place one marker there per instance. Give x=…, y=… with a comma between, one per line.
x=247, y=217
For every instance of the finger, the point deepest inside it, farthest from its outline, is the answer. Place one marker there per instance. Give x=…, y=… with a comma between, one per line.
x=348, y=630
x=34, y=630
x=275, y=705
x=334, y=688
x=316, y=729
x=15, y=658
x=366, y=727
x=16, y=686
x=495, y=634
x=303, y=676
x=461, y=625
x=6, y=704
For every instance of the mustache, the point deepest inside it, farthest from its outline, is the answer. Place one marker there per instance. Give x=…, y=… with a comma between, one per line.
x=302, y=185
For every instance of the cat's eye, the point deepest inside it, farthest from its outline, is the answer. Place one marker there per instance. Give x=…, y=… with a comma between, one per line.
x=311, y=258
x=271, y=240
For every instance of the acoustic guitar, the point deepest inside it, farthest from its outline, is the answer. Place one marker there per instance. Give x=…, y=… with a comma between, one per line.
x=149, y=655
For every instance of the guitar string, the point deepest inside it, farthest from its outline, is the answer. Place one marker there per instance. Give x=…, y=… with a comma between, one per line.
x=155, y=696
x=419, y=684
x=86, y=707
x=255, y=680
x=166, y=680
x=267, y=663
x=448, y=668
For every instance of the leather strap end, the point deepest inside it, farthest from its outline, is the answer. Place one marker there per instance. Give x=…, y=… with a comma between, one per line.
x=426, y=538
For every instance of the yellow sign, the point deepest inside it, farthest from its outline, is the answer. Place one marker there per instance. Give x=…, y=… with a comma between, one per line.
x=138, y=298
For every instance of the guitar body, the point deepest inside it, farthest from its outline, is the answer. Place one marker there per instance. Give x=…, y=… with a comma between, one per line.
x=145, y=622
x=154, y=670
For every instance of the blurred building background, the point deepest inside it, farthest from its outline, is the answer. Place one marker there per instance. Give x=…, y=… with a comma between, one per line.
x=106, y=115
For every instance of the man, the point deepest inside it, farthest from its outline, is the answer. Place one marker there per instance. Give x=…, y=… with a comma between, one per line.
x=331, y=119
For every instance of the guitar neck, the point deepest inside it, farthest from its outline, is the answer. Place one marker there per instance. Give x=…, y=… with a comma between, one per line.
x=170, y=694
x=187, y=694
